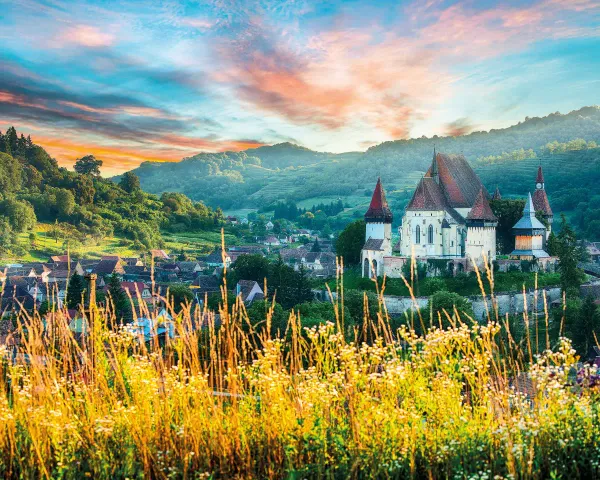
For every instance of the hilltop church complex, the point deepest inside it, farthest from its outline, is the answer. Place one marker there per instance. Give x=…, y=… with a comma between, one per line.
x=449, y=220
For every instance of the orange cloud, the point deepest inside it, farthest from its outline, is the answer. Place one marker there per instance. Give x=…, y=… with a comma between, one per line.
x=118, y=159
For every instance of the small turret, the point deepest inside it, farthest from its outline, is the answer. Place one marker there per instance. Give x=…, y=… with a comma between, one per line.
x=529, y=234
x=379, y=211
x=497, y=195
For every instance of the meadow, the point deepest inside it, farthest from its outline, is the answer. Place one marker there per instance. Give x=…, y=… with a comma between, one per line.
x=240, y=400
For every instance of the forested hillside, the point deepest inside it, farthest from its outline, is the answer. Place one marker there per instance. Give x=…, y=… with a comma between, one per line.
x=82, y=206
x=261, y=176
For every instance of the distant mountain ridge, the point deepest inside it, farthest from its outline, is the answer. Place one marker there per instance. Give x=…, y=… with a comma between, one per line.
x=260, y=176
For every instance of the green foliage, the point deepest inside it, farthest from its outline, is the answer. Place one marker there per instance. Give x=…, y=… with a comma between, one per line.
x=582, y=324
x=354, y=302
x=119, y=300
x=288, y=286
x=444, y=301
x=130, y=182
x=509, y=212
x=257, y=314
x=96, y=206
x=75, y=291
x=350, y=242
x=10, y=174
x=251, y=267
x=179, y=296
x=567, y=249
x=88, y=165
x=20, y=215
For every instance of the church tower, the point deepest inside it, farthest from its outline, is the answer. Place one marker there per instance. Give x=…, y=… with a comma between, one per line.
x=541, y=203
x=529, y=235
x=378, y=235
x=481, y=232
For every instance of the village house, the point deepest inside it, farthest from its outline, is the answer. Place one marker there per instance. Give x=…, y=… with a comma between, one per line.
x=249, y=290
x=271, y=241
x=218, y=259
x=108, y=266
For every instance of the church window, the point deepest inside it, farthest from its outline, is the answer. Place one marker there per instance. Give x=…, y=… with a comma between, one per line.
x=430, y=234
x=418, y=234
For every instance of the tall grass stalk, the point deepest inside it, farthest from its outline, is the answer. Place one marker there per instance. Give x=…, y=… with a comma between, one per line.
x=233, y=400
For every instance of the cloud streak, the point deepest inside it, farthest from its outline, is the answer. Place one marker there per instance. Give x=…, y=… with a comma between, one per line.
x=170, y=79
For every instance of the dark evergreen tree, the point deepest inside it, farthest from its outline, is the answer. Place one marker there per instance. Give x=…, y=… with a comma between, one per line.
x=567, y=248
x=11, y=135
x=583, y=327
x=316, y=247
x=119, y=300
x=75, y=291
x=303, y=291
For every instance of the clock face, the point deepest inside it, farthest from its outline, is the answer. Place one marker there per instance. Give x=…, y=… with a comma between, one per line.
x=538, y=185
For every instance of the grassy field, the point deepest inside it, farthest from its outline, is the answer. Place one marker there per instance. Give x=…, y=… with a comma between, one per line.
x=333, y=401
x=46, y=245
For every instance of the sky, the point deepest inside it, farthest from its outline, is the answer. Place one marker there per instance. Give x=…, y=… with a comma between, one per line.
x=134, y=81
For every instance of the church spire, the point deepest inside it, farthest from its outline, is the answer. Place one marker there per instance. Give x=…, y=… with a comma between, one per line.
x=497, y=195
x=539, y=181
x=379, y=210
x=435, y=174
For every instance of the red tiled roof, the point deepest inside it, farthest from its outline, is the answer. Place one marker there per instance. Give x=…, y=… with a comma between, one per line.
x=540, y=201
x=481, y=209
x=457, y=180
x=428, y=196
x=540, y=175
x=379, y=211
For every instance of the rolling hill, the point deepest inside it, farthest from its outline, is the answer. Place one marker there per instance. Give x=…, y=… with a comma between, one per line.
x=258, y=177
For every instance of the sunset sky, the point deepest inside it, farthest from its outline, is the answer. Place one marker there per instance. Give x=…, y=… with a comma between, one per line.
x=131, y=81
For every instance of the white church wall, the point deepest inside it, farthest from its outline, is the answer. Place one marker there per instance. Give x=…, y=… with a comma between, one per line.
x=481, y=241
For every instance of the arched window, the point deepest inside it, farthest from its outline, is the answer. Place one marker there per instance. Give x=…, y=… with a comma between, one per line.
x=374, y=270
x=366, y=269
x=430, y=234
x=418, y=234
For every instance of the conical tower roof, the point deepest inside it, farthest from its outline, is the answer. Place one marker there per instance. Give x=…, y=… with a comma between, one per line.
x=540, y=198
x=379, y=211
x=528, y=220
x=481, y=209
x=540, y=175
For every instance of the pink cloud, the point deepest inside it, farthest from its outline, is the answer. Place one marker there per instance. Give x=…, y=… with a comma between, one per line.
x=381, y=79
x=87, y=36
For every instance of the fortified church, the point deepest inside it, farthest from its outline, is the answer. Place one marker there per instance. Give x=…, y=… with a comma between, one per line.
x=449, y=218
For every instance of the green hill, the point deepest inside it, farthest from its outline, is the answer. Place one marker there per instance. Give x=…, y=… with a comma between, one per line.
x=259, y=177
x=44, y=208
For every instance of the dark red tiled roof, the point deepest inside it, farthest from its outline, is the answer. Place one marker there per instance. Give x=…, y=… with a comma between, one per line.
x=540, y=175
x=457, y=179
x=379, y=211
x=540, y=201
x=428, y=196
x=481, y=209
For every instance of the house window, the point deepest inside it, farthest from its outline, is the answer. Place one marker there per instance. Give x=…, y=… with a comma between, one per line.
x=430, y=234
x=418, y=234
